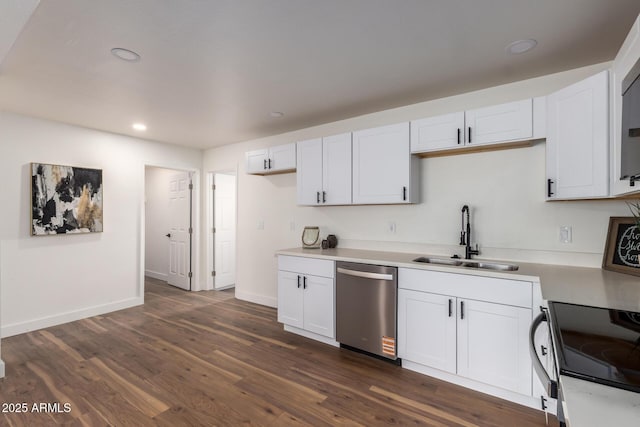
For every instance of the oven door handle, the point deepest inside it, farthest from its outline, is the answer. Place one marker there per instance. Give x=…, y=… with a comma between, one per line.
x=365, y=274
x=550, y=385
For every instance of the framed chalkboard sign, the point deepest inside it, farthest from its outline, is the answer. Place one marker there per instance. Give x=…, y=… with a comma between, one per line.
x=622, y=248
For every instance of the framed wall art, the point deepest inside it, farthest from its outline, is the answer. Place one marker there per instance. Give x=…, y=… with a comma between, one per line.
x=65, y=199
x=622, y=248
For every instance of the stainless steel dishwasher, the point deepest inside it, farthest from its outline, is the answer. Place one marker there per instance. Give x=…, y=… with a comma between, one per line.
x=366, y=305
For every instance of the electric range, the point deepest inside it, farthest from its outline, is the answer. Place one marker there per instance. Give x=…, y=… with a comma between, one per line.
x=597, y=344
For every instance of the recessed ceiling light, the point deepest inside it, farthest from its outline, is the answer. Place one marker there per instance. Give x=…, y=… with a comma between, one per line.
x=276, y=114
x=139, y=126
x=125, y=54
x=521, y=46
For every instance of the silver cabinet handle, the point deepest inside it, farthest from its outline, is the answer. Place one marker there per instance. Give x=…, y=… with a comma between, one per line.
x=365, y=274
x=550, y=385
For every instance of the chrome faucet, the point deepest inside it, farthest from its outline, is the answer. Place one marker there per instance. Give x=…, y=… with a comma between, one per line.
x=465, y=236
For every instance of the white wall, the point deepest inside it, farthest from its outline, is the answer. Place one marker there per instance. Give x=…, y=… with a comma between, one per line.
x=156, y=255
x=505, y=190
x=54, y=279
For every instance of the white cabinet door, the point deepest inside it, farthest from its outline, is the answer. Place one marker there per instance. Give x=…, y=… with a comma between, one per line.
x=257, y=161
x=493, y=344
x=427, y=329
x=336, y=169
x=319, y=305
x=290, y=299
x=437, y=133
x=500, y=123
x=283, y=157
x=309, y=171
x=578, y=140
x=382, y=165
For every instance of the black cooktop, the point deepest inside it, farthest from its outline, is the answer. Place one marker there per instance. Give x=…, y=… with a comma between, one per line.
x=597, y=344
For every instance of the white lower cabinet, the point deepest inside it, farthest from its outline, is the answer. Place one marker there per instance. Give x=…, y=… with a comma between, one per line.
x=427, y=329
x=442, y=324
x=306, y=294
x=493, y=346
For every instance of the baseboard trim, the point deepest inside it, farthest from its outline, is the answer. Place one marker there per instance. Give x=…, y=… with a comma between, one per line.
x=1, y=369
x=311, y=335
x=156, y=275
x=511, y=396
x=258, y=299
x=70, y=316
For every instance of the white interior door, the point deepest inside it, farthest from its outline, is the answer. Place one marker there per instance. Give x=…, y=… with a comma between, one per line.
x=224, y=236
x=179, y=223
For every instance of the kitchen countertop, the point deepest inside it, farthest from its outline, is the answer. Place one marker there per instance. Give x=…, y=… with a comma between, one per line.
x=576, y=285
x=587, y=403
x=590, y=404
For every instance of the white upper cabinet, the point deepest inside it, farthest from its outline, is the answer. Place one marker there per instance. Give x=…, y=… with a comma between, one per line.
x=309, y=171
x=279, y=159
x=628, y=56
x=437, y=133
x=336, y=169
x=324, y=171
x=257, y=161
x=382, y=166
x=578, y=140
x=500, y=123
x=511, y=123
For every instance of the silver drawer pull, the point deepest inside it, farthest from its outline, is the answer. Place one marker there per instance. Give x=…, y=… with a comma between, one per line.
x=365, y=274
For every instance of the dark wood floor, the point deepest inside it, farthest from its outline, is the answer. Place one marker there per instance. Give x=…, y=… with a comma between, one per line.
x=205, y=359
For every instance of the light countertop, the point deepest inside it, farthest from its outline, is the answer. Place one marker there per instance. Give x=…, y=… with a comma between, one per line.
x=576, y=285
x=587, y=404
x=590, y=404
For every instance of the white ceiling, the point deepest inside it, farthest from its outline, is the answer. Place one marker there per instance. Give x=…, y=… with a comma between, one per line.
x=212, y=70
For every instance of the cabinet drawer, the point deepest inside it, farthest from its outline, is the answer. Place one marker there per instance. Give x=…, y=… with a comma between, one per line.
x=502, y=291
x=311, y=266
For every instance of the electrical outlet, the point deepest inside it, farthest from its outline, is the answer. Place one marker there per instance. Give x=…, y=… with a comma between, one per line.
x=566, y=234
x=392, y=227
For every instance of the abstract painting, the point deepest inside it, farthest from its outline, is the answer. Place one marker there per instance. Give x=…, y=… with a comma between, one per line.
x=65, y=199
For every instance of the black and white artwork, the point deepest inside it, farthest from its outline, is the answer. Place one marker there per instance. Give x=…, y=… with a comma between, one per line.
x=65, y=199
x=622, y=249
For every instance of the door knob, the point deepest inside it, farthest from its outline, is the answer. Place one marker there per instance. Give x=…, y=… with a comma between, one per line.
x=168, y=235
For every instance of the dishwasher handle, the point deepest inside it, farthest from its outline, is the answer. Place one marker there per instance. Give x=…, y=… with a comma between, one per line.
x=550, y=385
x=365, y=274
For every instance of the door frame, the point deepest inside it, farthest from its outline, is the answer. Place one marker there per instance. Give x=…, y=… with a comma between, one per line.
x=209, y=212
x=195, y=223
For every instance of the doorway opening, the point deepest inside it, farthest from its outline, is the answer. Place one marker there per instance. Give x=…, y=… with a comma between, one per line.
x=221, y=223
x=169, y=226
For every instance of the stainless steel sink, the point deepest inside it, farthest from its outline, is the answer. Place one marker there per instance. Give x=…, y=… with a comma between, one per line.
x=456, y=262
x=441, y=261
x=491, y=266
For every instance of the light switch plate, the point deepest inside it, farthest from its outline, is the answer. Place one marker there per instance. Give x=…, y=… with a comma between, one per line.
x=566, y=234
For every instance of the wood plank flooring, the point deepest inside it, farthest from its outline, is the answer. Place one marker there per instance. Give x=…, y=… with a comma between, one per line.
x=207, y=359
